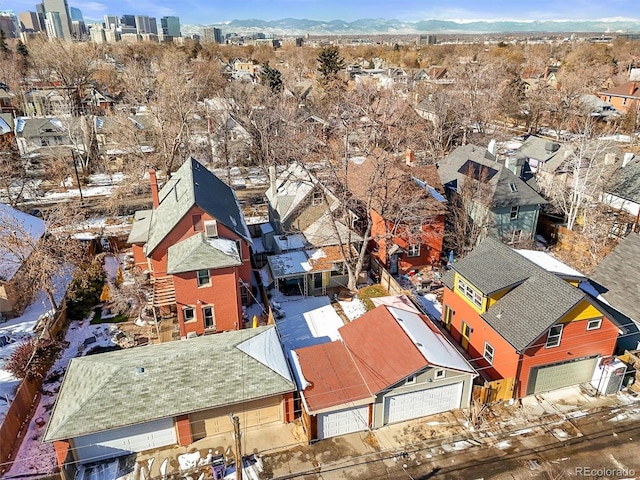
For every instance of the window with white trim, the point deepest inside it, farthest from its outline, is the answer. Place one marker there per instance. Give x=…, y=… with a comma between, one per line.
x=413, y=250
x=438, y=374
x=488, y=352
x=553, y=336
x=209, y=317
x=411, y=379
x=470, y=292
x=594, y=324
x=513, y=215
x=188, y=314
x=204, y=278
x=513, y=187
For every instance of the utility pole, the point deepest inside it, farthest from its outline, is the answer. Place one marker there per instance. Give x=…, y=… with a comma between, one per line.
x=75, y=168
x=236, y=432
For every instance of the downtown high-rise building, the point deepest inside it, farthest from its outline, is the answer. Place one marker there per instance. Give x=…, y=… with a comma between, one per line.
x=53, y=24
x=212, y=34
x=9, y=24
x=60, y=7
x=145, y=24
x=111, y=22
x=29, y=22
x=171, y=26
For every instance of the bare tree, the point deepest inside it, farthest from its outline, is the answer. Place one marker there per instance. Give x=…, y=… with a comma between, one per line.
x=40, y=261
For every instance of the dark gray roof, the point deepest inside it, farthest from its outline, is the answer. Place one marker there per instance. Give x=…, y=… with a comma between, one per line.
x=454, y=168
x=193, y=185
x=199, y=252
x=625, y=181
x=107, y=391
x=140, y=227
x=619, y=274
x=537, y=298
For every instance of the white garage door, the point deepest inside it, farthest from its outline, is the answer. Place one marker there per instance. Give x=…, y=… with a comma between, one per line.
x=136, y=438
x=343, y=422
x=559, y=375
x=406, y=406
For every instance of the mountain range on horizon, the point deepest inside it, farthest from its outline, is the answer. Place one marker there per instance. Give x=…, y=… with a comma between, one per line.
x=292, y=26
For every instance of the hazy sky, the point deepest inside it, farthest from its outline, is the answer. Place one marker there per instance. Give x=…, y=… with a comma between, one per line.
x=216, y=11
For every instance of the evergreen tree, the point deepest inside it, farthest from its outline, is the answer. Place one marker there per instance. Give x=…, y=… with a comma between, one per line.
x=271, y=77
x=21, y=48
x=330, y=62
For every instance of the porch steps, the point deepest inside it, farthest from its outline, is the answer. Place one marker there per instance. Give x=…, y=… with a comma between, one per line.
x=164, y=292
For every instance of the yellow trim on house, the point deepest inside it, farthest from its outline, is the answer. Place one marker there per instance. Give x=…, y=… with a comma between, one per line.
x=497, y=296
x=583, y=311
x=483, y=308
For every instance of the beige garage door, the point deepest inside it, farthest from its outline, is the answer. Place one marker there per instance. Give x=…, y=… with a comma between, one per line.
x=218, y=420
x=559, y=375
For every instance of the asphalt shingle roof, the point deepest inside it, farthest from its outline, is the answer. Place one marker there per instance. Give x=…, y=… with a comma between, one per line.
x=140, y=228
x=619, y=274
x=538, y=298
x=193, y=185
x=199, y=252
x=107, y=391
x=454, y=169
x=625, y=181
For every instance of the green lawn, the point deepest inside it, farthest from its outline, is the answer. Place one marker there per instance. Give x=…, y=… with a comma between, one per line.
x=97, y=317
x=372, y=291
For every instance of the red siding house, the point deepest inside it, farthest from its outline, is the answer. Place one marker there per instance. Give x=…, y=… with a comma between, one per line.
x=195, y=246
x=523, y=324
x=407, y=193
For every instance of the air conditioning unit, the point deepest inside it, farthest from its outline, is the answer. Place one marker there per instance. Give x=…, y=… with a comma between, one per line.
x=211, y=228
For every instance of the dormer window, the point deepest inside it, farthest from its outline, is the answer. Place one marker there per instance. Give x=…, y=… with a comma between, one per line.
x=317, y=198
x=211, y=228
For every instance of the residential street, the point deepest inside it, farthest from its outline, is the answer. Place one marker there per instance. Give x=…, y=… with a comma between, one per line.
x=593, y=445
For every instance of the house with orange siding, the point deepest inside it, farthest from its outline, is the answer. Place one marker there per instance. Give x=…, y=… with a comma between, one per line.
x=624, y=98
x=523, y=324
x=195, y=246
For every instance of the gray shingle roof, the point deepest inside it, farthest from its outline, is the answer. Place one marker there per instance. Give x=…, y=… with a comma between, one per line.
x=619, y=274
x=193, y=185
x=41, y=127
x=537, y=300
x=199, y=252
x=625, y=181
x=453, y=172
x=292, y=187
x=140, y=228
x=106, y=391
x=551, y=153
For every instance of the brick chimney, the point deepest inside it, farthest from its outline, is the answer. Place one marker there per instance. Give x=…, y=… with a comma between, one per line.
x=409, y=157
x=154, y=187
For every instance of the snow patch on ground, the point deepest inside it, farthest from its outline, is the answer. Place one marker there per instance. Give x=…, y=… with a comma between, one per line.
x=353, y=309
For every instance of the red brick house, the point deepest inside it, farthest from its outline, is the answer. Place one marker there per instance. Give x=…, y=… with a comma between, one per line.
x=407, y=210
x=523, y=324
x=195, y=246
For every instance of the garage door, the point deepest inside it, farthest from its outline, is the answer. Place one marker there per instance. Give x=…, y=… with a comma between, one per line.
x=136, y=438
x=559, y=375
x=406, y=406
x=342, y=422
x=251, y=414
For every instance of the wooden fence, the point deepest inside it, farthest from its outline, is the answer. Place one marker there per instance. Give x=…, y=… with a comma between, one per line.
x=386, y=279
x=14, y=425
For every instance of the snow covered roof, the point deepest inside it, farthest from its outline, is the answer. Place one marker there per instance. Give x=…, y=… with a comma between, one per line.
x=432, y=345
x=289, y=264
x=290, y=242
x=138, y=385
x=550, y=263
x=199, y=252
x=16, y=226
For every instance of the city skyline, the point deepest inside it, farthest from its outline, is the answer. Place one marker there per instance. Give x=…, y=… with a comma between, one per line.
x=198, y=12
